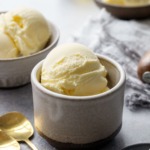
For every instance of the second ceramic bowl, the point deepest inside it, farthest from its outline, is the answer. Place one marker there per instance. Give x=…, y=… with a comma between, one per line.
x=16, y=71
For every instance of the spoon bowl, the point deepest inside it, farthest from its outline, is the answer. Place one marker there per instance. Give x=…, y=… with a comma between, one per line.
x=17, y=126
x=7, y=142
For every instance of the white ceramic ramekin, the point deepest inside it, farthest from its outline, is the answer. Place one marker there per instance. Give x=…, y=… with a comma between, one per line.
x=16, y=71
x=79, y=120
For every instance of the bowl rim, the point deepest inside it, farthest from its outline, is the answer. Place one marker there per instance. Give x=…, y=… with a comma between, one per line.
x=55, y=30
x=101, y=2
x=120, y=83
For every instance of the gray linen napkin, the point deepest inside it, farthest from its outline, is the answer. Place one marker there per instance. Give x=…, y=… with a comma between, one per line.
x=124, y=41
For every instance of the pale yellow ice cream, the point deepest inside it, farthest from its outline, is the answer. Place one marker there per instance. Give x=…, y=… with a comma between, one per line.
x=128, y=2
x=137, y=2
x=7, y=47
x=115, y=2
x=73, y=69
x=27, y=29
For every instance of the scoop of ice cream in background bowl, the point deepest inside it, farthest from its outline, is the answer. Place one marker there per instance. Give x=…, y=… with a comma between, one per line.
x=78, y=97
x=26, y=38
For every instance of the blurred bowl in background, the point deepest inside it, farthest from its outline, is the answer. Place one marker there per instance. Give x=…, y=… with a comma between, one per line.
x=126, y=12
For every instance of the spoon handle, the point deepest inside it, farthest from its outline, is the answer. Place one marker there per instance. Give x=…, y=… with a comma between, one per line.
x=31, y=145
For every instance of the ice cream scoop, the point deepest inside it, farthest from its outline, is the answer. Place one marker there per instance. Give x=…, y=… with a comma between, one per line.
x=7, y=47
x=115, y=2
x=73, y=69
x=26, y=28
x=137, y=2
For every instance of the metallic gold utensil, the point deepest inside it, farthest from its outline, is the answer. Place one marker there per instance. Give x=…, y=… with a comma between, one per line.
x=17, y=126
x=7, y=142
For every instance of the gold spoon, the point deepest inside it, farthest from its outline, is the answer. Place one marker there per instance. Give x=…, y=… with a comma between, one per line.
x=17, y=126
x=7, y=142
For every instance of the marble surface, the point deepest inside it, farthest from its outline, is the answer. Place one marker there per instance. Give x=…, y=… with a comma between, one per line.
x=69, y=15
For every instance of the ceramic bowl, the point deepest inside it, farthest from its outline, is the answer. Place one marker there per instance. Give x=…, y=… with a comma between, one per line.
x=126, y=12
x=79, y=121
x=16, y=71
